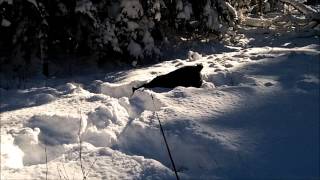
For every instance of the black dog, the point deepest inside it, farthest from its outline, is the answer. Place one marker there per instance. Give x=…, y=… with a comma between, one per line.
x=187, y=76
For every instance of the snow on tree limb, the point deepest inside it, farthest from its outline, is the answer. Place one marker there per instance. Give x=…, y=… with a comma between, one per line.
x=232, y=10
x=257, y=22
x=312, y=17
x=307, y=10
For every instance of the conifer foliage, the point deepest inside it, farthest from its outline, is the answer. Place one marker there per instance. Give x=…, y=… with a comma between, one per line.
x=33, y=32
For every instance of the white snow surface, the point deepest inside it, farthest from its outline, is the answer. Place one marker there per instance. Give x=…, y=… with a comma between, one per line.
x=255, y=117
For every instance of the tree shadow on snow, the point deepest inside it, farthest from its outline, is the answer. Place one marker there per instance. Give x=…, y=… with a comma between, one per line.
x=263, y=37
x=18, y=99
x=279, y=131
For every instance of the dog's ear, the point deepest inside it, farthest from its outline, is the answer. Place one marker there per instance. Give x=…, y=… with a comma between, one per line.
x=134, y=89
x=199, y=66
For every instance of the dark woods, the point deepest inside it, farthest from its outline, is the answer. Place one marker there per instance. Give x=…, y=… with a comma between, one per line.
x=40, y=35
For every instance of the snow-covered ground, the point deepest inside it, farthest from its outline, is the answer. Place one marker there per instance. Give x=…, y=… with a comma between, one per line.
x=255, y=117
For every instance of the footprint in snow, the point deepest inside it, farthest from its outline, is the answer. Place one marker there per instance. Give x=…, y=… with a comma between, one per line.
x=179, y=64
x=258, y=57
x=211, y=65
x=240, y=56
x=228, y=65
x=268, y=84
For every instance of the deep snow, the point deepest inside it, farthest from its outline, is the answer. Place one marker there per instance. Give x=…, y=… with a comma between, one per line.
x=256, y=116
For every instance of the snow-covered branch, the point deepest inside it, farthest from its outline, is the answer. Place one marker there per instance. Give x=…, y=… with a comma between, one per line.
x=257, y=22
x=307, y=10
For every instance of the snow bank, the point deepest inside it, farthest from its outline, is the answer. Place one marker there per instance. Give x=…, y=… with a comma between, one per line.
x=31, y=97
x=56, y=129
x=11, y=155
x=28, y=141
x=124, y=101
x=27, y=136
x=144, y=131
x=24, y=148
x=105, y=123
x=100, y=137
x=107, y=164
x=142, y=101
x=193, y=148
x=44, y=98
x=104, y=116
x=113, y=164
x=119, y=90
x=228, y=79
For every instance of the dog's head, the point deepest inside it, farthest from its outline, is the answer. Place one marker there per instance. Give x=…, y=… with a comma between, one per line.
x=199, y=67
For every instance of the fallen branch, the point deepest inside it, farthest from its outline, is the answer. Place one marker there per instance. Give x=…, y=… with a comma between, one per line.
x=290, y=18
x=256, y=22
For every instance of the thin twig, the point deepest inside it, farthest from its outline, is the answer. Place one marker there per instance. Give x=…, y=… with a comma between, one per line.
x=59, y=172
x=65, y=172
x=80, y=147
x=46, y=156
x=84, y=173
x=87, y=174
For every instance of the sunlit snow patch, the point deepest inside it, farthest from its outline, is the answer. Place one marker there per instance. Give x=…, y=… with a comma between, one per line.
x=119, y=90
x=11, y=155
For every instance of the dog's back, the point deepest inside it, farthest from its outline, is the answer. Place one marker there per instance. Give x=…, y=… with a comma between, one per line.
x=186, y=76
